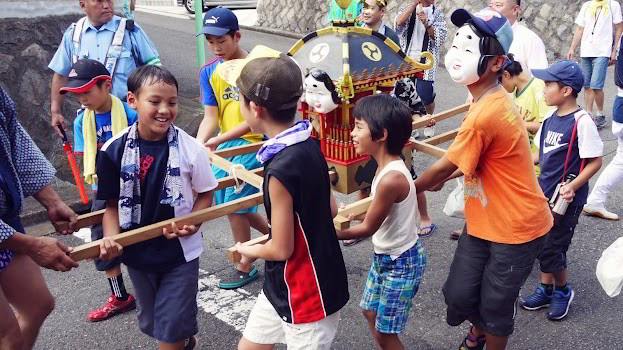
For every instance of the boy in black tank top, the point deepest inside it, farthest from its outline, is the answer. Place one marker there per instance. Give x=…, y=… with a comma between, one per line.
x=305, y=284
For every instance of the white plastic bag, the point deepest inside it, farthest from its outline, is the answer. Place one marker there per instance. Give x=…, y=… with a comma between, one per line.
x=610, y=268
x=455, y=204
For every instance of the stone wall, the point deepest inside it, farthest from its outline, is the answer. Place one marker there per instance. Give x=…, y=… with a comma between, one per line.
x=26, y=47
x=550, y=19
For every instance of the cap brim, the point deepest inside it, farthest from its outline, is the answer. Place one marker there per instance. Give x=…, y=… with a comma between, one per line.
x=216, y=31
x=461, y=16
x=544, y=75
x=80, y=86
x=230, y=70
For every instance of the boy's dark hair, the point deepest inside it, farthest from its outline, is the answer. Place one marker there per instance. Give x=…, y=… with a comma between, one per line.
x=573, y=92
x=513, y=68
x=150, y=74
x=282, y=116
x=231, y=33
x=490, y=47
x=385, y=112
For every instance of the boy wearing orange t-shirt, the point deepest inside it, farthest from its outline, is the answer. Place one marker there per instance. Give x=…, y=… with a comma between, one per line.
x=506, y=212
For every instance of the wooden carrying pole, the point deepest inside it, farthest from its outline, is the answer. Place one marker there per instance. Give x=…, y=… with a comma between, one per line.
x=253, y=178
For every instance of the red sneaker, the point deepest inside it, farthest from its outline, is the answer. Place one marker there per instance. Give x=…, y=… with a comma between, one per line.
x=112, y=307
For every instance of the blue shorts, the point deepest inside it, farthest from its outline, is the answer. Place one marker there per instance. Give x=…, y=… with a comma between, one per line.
x=249, y=162
x=391, y=286
x=167, y=301
x=595, y=69
x=426, y=90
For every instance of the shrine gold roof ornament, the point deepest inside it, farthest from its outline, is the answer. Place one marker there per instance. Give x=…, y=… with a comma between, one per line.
x=356, y=58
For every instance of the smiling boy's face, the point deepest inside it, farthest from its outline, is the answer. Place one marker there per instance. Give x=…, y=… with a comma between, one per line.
x=156, y=104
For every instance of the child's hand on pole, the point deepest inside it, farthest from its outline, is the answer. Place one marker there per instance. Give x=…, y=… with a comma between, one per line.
x=174, y=231
x=109, y=249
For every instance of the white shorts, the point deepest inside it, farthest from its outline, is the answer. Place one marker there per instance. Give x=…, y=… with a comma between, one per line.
x=264, y=326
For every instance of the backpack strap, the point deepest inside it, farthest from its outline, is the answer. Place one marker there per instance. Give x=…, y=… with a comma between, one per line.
x=76, y=36
x=574, y=133
x=115, y=48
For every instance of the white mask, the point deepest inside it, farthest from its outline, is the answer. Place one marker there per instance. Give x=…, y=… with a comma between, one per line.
x=463, y=57
x=317, y=96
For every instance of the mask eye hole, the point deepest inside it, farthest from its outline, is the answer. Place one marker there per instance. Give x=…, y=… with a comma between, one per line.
x=469, y=37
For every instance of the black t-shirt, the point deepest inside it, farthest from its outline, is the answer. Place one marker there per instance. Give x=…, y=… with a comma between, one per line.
x=156, y=254
x=312, y=284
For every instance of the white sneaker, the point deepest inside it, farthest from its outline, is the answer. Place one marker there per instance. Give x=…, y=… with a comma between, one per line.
x=600, y=213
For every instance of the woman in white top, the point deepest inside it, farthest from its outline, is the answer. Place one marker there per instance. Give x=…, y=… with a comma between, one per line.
x=382, y=127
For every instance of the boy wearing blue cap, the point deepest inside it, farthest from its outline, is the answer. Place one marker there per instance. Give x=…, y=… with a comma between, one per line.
x=222, y=112
x=506, y=212
x=570, y=152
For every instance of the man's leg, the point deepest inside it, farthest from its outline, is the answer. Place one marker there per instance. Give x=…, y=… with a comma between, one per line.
x=10, y=333
x=589, y=100
x=26, y=291
x=608, y=180
x=426, y=223
x=599, y=100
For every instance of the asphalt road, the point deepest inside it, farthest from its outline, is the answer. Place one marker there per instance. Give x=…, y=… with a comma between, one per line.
x=594, y=321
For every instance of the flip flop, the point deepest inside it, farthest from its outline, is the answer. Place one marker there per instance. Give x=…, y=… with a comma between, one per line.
x=349, y=242
x=427, y=230
x=456, y=234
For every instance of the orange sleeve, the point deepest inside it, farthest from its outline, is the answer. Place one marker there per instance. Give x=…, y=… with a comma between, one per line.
x=466, y=150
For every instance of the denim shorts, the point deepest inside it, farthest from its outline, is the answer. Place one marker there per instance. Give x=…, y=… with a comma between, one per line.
x=391, y=286
x=595, y=69
x=249, y=162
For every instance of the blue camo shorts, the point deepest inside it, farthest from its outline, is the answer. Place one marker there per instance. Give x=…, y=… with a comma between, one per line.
x=249, y=162
x=391, y=286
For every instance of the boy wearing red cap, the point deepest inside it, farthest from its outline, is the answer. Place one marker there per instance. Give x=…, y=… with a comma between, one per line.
x=103, y=116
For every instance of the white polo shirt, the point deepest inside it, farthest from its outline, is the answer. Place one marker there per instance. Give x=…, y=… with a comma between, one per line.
x=598, y=29
x=528, y=48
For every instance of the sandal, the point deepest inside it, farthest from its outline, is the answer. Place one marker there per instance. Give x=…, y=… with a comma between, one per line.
x=349, y=242
x=479, y=340
x=456, y=234
x=427, y=230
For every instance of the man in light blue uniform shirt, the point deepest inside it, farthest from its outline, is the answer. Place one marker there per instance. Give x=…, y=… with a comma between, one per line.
x=96, y=38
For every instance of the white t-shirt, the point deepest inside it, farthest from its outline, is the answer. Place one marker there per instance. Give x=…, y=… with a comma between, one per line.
x=417, y=43
x=589, y=141
x=197, y=177
x=598, y=29
x=528, y=48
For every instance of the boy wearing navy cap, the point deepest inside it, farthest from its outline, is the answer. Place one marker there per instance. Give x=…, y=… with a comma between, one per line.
x=222, y=115
x=570, y=152
x=103, y=116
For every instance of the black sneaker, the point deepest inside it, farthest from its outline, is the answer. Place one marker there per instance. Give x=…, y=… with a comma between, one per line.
x=600, y=121
x=236, y=279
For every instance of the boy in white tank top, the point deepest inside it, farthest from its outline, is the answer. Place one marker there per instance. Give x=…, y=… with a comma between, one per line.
x=382, y=127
